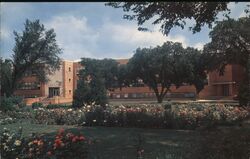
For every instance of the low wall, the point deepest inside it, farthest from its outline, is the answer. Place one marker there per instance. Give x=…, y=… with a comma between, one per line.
x=29, y=101
x=58, y=100
x=46, y=101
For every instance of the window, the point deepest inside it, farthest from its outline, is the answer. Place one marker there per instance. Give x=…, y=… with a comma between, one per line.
x=126, y=95
x=69, y=69
x=225, y=90
x=30, y=85
x=69, y=91
x=69, y=79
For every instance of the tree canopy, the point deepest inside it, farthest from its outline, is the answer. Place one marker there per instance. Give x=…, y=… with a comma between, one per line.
x=35, y=50
x=96, y=78
x=105, y=68
x=230, y=44
x=164, y=66
x=172, y=14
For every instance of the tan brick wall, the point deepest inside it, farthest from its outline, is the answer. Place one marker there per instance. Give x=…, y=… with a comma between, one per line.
x=55, y=80
x=68, y=80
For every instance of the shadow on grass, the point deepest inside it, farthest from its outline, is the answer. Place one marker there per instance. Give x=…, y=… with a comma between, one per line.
x=118, y=143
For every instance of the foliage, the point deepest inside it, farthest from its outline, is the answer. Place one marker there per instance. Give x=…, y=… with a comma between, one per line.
x=5, y=119
x=96, y=77
x=5, y=76
x=59, y=116
x=105, y=69
x=230, y=45
x=200, y=63
x=11, y=144
x=61, y=146
x=37, y=105
x=172, y=14
x=181, y=116
x=123, y=78
x=167, y=65
x=55, y=106
x=10, y=103
x=244, y=95
x=89, y=92
x=36, y=52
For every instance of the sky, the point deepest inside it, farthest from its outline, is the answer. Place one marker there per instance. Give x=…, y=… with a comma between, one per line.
x=91, y=29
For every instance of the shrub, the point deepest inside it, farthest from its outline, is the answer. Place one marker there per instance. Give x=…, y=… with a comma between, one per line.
x=92, y=92
x=60, y=146
x=95, y=117
x=37, y=105
x=11, y=144
x=55, y=106
x=10, y=103
x=244, y=95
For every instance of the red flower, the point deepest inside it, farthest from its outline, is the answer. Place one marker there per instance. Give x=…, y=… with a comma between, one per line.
x=70, y=135
x=75, y=139
x=49, y=153
x=58, y=143
x=81, y=138
x=61, y=131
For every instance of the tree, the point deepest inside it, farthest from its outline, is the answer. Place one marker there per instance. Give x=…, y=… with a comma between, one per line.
x=200, y=64
x=172, y=14
x=105, y=68
x=35, y=50
x=96, y=78
x=123, y=78
x=88, y=92
x=5, y=68
x=230, y=44
x=160, y=67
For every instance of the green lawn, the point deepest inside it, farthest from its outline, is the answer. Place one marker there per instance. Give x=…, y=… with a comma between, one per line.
x=119, y=143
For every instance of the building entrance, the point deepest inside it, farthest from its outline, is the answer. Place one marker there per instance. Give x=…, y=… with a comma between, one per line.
x=54, y=91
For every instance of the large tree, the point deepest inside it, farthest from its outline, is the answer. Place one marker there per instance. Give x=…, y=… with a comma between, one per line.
x=161, y=67
x=105, y=68
x=35, y=50
x=200, y=66
x=230, y=44
x=172, y=14
x=5, y=76
x=96, y=78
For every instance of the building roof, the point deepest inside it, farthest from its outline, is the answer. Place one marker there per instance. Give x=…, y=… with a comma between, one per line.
x=122, y=61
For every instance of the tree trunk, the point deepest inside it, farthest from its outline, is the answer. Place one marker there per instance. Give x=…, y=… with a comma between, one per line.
x=159, y=99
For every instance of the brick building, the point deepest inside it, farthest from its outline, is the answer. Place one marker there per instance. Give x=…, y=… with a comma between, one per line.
x=218, y=87
x=63, y=82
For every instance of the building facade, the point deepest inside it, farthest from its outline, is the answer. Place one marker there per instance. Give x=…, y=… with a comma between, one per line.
x=63, y=82
x=218, y=87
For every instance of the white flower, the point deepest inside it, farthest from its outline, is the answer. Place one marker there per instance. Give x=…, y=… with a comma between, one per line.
x=94, y=121
x=6, y=148
x=17, y=143
x=69, y=110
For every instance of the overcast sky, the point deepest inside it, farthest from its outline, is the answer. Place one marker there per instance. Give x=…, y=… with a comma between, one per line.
x=93, y=29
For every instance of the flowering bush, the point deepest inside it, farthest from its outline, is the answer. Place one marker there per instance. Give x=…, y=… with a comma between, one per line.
x=184, y=116
x=11, y=144
x=59, y=116
x=62, y=146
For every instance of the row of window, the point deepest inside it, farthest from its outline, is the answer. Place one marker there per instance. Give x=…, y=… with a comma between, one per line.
x=150, y=95
x=30, y=86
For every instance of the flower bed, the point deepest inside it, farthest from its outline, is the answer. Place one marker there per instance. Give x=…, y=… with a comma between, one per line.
x=180, y=116
x=62, y=146
x=183, y=116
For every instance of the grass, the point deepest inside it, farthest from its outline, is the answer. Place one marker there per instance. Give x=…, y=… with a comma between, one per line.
x=108, y=142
